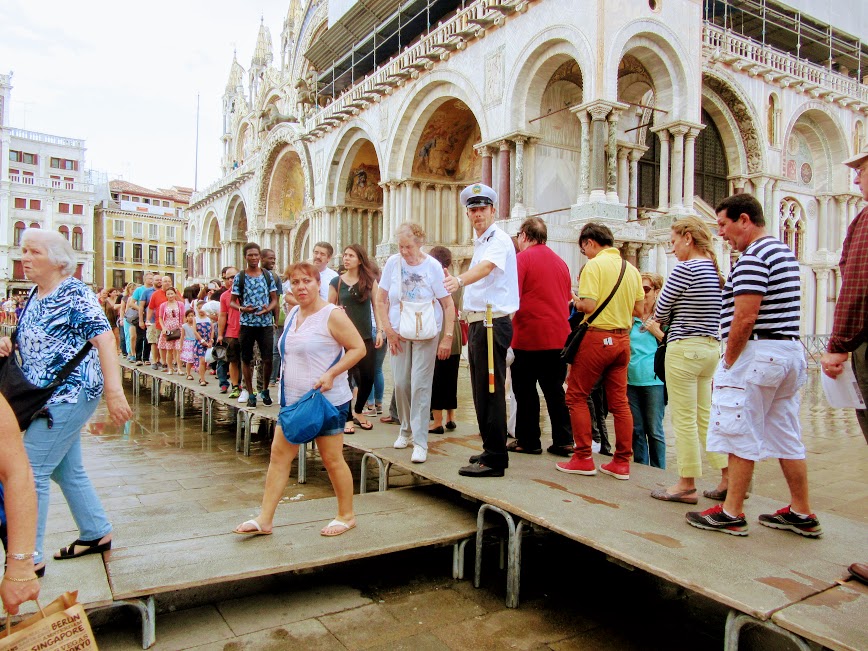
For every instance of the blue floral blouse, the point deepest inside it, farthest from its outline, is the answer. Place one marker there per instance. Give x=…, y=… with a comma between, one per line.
x=53, y=330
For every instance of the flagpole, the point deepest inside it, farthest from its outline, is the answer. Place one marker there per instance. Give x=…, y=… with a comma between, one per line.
x=196, y=168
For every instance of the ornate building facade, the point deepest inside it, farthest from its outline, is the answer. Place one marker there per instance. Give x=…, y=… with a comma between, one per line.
x=631, y=117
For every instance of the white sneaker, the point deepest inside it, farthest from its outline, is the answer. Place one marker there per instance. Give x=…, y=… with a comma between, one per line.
x=401, y=442
x=244, y=396
x=420, y=454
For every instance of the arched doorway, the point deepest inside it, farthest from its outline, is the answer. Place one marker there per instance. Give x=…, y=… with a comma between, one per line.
x=284, y=202
x=236, y=232
x=357, y=195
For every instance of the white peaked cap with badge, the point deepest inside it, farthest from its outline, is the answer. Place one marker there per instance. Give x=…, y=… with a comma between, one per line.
x=478, y=194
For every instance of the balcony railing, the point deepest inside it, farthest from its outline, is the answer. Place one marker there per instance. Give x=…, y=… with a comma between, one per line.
x=452, y=34
x=46, y=138
x=138, y=260
x=54, y=184
x=245, y=169
x=780, y=67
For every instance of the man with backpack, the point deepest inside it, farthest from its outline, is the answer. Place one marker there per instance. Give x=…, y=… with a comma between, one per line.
x=254, y=295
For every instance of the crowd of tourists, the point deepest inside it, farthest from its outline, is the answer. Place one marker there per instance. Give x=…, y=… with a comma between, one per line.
x=623, y=342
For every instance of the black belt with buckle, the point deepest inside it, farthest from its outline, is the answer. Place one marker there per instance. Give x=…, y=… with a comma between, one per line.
x=774, y=336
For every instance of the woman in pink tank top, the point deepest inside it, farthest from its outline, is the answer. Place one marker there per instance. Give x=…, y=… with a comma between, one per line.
x=313, y=338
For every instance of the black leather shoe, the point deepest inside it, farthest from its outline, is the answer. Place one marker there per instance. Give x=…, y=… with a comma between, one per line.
x=513, y=446
x=560, y=450
x=479, y=470
x=475, y=458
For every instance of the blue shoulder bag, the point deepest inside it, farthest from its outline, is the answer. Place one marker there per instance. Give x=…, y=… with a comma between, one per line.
x=303, y=420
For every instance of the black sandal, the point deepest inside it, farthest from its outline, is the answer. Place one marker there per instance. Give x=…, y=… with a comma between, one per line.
x=91, y=547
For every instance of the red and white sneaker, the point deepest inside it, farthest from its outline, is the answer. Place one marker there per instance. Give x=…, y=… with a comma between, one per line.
x=578, y=466
x=617, y=469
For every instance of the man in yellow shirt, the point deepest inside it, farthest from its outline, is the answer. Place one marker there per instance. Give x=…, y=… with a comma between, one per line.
x=604, y=351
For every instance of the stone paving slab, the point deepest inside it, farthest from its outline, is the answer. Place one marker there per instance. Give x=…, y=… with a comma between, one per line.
x=758, y=575
x=405, y=520
x=827, y=618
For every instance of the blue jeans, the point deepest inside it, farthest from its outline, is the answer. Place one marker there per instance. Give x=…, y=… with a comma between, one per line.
x=649, y=442
x=56, y=454
x=223, y=373
x=275, y=356
x=376, y=396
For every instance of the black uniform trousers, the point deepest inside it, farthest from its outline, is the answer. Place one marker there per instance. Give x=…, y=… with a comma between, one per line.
x=546, y=368
x=490, y=407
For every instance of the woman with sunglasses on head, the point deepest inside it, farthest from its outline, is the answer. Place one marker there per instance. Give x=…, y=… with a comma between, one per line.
x=353, y=291
x=690, y=305
x=645, y=391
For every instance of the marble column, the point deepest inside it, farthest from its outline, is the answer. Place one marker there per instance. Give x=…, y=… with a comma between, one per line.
x=773, y=218
x=385, y=237
x=645, y=257
x=841, y=223
x=623, y=176
x=394, y=210
x=822, y=297
x=503, y=184
x=585, y=158
x=339, y=230
x=690, y=139
x=439, y=214
x=661, y=260
x=486, y=165
x=676, y=191
x=663, y=200
x=612, y=157
x=822, y=226
x=518, y=210
x=358, y=237
x=635, y=155
x=599, y=138
x=631, y=249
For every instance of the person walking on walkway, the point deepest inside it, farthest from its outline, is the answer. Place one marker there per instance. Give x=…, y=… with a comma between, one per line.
x=314, y=335
x=354, y=292
x=228, y=329
x=412, y=275
x=755, y=404
x=491, y=280
x=62, y=316
x=604, y=351
x=645, y=391
x=850, y=327
x=444, y=390
x=690, y=306
x=539, y=330
x=254, y=295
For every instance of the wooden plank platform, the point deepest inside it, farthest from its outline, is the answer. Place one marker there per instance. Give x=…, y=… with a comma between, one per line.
x=827, y=618
x=758, y=575
x=207, y=552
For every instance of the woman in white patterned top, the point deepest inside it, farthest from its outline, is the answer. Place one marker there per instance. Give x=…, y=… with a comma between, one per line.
x=690, y=305
x=314, y=336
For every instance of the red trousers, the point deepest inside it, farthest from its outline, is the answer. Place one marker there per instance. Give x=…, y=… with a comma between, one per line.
x=606, y=355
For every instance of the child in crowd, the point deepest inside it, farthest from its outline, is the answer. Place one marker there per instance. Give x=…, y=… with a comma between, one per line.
x=204, y=339
x=188, y=350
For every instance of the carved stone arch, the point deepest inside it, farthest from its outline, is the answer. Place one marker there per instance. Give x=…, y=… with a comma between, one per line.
x=663, y=55
x=299, y=241
x=245, y=127
x=745, y=117
x=311, y=25
x=281, y=136
x=231, y=218
x=535, y=65
x=826, y=137
x=347, y=143
x=434, y=90
x=727, y=126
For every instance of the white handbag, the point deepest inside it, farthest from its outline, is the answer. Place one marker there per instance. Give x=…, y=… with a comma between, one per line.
x=417, y=321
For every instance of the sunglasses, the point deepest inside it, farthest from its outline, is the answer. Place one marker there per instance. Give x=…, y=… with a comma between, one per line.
x=647, y=289
x=229, y=277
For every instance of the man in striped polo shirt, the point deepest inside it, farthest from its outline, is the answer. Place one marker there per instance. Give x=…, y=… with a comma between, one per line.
x=755, y=404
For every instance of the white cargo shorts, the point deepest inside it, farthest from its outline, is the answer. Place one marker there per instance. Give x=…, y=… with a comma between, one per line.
x=755, y=403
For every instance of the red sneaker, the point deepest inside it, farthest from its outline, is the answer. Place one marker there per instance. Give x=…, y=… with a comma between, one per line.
x=578, y=466
x=618, y=470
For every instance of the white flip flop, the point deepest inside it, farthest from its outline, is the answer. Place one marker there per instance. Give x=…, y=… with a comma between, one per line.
x=256, y=532
x=337, y=523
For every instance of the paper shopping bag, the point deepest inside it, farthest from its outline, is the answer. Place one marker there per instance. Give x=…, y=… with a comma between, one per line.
x=62, y=625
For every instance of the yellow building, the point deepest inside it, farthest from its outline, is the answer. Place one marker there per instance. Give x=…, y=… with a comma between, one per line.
x=140, y=230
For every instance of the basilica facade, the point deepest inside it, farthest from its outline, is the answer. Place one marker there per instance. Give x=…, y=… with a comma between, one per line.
x=629, y=112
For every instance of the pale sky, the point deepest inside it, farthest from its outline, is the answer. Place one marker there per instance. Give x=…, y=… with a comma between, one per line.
x=124, y=77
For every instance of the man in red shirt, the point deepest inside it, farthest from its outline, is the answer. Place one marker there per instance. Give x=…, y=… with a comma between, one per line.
x=540, y=328
x=157, y=299
x=228, y=331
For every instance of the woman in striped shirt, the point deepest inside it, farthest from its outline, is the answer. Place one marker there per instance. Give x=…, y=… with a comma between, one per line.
x=690, y=305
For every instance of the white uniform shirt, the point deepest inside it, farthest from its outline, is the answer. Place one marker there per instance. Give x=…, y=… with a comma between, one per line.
x=325, y=277
x=500, y=287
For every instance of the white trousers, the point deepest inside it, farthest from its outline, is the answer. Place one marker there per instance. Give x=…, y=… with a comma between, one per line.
x=413, y=374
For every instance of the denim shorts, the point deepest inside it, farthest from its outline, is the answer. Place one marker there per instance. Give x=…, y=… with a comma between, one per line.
x=336, y=425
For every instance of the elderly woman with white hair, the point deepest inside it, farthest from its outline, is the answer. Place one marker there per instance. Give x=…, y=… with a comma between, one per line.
x=62, y=316
x=411, y=275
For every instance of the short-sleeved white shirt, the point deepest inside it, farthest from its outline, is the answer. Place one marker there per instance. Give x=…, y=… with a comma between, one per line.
x=421, y=282
x=325, y=277
x=500, y=287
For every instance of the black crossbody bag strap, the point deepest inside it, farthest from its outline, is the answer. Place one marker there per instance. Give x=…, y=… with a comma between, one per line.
x=70, y=366
x=609, y=297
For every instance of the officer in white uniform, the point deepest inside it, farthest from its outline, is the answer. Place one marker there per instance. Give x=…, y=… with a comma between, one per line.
x=491, y=279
